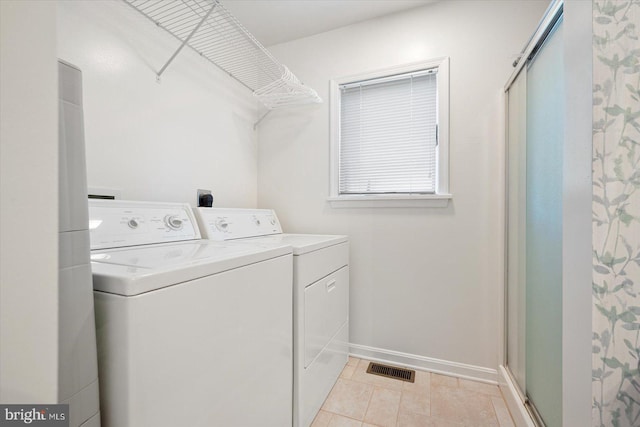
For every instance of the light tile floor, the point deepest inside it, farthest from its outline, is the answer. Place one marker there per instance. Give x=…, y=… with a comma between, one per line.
x=363, y=400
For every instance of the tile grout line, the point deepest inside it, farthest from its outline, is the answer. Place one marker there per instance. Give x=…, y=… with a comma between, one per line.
x=368, y=403
x=507, y=406
x=495, y=413
x=400, y=404
x=430, y=394
x=345, y=416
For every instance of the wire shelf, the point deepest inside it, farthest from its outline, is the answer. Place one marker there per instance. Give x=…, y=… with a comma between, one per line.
x=214, y=33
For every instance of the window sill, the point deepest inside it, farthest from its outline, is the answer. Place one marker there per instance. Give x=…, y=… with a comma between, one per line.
x=391, y=201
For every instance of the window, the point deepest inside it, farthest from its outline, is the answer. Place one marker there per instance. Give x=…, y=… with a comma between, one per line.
x=389, y=134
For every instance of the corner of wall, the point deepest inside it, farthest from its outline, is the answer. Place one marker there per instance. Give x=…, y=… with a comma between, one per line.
x=29, y=203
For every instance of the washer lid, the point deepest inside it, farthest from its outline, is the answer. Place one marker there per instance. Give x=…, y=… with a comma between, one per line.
x=132, y=271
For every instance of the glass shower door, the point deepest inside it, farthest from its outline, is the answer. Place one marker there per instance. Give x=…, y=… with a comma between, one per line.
x=535, y=138
x=545, y=139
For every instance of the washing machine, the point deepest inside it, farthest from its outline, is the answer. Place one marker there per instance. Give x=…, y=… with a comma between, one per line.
x=190, y=332
x=320, y=298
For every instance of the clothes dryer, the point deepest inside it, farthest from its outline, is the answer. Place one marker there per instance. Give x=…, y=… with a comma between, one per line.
x=190, y=332
x=320, y=298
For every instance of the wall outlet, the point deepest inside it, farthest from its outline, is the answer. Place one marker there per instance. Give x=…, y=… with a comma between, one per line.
x=204, y=198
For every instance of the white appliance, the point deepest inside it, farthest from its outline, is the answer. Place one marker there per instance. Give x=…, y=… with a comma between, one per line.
x=77, y=362
x=320, y=298
x=190, y=332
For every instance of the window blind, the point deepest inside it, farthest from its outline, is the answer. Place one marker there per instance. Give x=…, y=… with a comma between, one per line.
x=388, y=134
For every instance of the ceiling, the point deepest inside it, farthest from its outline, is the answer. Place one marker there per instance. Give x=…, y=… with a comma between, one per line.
x=278, y=21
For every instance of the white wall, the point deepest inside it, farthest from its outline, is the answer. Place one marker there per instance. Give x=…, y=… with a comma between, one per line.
x=157, y=141
x=577, y=215
x=423, y=281
x=28, y=203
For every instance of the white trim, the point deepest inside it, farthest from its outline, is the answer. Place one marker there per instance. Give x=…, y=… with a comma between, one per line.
x=334, y=135
x=390, y=201
x=442, y=185
x=389, y=78
x=577, y=196
x=519, y=413
x=413, y=361
x=442, y=196
x=397, y=69
x=502, y=228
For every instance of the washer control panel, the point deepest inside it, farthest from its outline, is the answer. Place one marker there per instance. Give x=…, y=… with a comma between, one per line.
x=229, y=224
x=118, y=223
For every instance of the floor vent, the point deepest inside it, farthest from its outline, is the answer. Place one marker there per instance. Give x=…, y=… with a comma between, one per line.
x=392, y=372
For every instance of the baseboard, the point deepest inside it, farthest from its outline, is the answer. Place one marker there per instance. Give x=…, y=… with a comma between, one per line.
x=519, y=413
x=413, y=361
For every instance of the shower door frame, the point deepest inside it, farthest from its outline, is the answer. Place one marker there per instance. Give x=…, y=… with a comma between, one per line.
x=552, y=16
x=577, y=306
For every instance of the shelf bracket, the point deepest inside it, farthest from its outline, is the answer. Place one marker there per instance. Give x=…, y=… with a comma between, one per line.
x=185, y=41
x=255, y=125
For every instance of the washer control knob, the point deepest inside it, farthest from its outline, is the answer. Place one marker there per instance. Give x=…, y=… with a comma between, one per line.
x=256, y=220
x=222, y=225
x=133, y=223
x=173, y=222
x=272, y=220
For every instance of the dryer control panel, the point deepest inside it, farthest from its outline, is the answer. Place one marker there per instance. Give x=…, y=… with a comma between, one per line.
x=118, y=223
x=230, y=224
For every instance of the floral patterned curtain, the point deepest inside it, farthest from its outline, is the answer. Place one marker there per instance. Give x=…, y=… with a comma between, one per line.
x=616, y=213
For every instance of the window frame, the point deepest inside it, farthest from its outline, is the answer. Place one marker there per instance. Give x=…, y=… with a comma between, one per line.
x=441, y=196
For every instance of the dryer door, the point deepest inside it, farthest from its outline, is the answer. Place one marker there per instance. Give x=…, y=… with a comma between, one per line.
x=326, y=309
